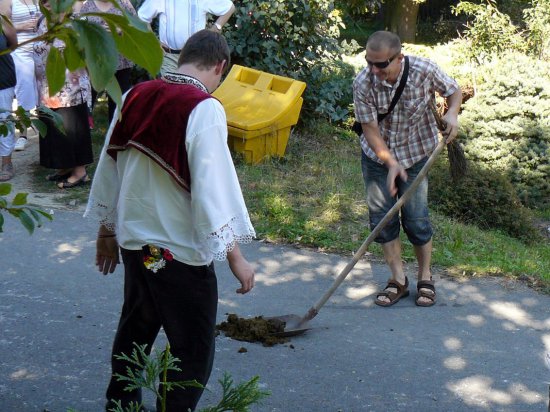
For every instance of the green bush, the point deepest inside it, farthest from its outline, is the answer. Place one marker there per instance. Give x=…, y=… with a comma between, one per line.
x=506, y=126
x=482, y=197
x=490, y=31
x=298, y=39
x=537, y=18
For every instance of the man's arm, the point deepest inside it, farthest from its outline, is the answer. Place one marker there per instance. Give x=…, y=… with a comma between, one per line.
x=377, y=144
x=241, y=268
x=106, y=257
x=224, y=18
x=148, y=11
x=11, y=35
x=451, y=117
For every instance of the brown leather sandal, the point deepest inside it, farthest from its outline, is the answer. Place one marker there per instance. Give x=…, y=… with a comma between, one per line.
x=425, y=284
x=394, y=297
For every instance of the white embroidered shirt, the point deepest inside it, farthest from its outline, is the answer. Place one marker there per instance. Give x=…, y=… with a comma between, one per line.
x=144, y=205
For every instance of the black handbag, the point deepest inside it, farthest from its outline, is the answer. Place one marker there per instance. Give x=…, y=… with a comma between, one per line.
x=381, y=116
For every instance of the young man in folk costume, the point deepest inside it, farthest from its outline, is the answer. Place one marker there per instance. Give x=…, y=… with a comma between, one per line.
x=168, y=195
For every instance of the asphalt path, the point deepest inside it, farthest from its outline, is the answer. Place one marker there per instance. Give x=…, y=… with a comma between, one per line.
x=480, y=348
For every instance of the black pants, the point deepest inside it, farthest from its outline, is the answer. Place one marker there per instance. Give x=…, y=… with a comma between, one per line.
x=183, y=300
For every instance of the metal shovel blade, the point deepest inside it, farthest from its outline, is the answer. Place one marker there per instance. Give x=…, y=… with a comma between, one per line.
x=294, y=325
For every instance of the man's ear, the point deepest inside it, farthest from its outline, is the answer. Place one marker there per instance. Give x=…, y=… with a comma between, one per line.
x=220, y=67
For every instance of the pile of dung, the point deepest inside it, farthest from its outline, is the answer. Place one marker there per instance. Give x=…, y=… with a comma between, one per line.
x=256, y=329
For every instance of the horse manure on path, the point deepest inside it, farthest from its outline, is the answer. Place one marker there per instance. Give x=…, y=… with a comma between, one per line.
x=258, y=329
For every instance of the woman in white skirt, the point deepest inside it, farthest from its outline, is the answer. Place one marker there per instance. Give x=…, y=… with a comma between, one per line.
x=24, y=15
x=8, y=39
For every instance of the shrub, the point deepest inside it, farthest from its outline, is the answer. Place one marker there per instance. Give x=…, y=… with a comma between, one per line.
x=506, y=126
x=490, y=31
x=537, y=19
x=298, y=39
x=483, y=197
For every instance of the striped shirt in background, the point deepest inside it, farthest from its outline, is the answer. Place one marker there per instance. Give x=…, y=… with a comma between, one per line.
x=410, y=130
x=20, y=13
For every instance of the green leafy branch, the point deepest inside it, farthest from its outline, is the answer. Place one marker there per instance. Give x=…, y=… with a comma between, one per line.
x=88, y=45
x=22, y=119
x=30, y=217
x=238, y=398
x=144, y=369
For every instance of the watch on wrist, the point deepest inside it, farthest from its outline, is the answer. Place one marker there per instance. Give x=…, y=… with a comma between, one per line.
x=218, y=26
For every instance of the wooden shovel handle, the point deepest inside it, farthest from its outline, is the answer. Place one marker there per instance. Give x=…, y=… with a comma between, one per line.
x=314, y=310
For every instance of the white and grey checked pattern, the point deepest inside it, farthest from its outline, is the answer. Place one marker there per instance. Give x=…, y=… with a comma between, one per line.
x=410, y=131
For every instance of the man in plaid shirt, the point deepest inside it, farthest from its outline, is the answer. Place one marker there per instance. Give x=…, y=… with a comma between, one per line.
x=394, y=151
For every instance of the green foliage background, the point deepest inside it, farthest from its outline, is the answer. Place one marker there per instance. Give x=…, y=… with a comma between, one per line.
x=506, y=125
x=298, y=39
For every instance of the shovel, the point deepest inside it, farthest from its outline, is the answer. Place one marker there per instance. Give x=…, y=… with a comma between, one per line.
x=296, y=325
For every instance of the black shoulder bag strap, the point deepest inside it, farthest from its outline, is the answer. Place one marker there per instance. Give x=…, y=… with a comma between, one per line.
x=381, y=116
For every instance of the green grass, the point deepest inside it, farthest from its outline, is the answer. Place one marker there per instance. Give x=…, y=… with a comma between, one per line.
x=314, y=197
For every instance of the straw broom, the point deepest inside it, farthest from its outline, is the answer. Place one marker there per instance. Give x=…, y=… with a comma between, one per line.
x=457, y=160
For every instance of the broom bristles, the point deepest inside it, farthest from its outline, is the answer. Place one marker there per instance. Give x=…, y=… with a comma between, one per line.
x=457, y=159
x=458, y=164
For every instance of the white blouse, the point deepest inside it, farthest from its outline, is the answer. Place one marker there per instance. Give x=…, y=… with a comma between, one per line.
x=179, y=19
x=144, y=205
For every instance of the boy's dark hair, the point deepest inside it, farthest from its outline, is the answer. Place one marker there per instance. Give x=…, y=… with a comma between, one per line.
x=205, y=49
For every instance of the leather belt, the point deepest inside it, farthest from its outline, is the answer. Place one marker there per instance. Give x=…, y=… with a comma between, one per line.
x=171, y=51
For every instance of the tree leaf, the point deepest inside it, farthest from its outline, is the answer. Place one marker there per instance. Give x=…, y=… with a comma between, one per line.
x=55, y=71
x=142, y=47
x=4, y=130
x=54, y=116
x=37, y=216
x=44, y=213
x=1, y=223
x=27, y=221
x=20, y=199
x=136, y=22
x=40, y=126
x=100, y=52
x=62, y=6
x=113, y=89
x=72, y=54
x=5, y=189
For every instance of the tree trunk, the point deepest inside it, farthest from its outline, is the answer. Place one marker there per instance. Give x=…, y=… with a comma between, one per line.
x=401, y=18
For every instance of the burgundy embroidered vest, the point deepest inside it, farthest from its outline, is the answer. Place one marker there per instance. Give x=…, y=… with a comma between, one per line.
x=154, y=121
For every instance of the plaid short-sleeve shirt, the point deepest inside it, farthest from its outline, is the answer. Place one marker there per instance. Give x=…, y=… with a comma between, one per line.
x=410, y=130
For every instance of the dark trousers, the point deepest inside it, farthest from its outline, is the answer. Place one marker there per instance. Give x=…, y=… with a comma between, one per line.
x=180, y=298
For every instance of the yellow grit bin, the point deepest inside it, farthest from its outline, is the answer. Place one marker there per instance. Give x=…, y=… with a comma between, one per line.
x=261, y=108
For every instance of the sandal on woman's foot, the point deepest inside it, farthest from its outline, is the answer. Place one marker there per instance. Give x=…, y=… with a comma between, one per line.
x=394, y=297
x=429, y=294
x=57, y=177
x=65, y=184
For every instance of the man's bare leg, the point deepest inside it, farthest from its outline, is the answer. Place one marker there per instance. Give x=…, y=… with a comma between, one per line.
x=392, y=254
x=424, y=257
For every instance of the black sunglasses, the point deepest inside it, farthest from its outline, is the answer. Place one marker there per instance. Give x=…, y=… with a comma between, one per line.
x=382, y=65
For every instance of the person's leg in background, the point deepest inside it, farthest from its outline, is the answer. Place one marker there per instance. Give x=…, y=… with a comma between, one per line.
x=7, y=142
x=26, y=91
